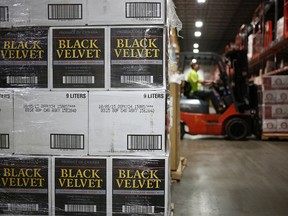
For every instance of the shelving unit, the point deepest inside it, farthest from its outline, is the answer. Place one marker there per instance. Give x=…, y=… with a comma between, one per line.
x=270, y=58
x=267, y=44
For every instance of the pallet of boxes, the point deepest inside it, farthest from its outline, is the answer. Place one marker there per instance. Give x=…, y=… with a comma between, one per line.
x=82, y=108
x=274, y=109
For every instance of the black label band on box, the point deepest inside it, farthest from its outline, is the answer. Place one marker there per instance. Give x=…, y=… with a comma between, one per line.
x=24, y=186
x=80, y=186
x=137, y=57
x=23, y=58
x=138, y=186
x=78, y=58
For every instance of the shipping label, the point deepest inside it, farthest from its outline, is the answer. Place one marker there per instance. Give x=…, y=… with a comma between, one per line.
x=23, y=58
x=138, y=186
x=78, y=58
x=137, y=57
x=24, y=186
x=80, y=186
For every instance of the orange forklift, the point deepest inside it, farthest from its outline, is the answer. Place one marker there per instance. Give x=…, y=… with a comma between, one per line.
x=239, y=117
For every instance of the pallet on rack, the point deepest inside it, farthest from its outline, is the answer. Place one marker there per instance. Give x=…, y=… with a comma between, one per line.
x=177, y=175
x=171, y=209
x=280, y=136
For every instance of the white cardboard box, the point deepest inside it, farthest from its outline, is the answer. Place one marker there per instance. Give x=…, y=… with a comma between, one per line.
x=280, y=28
x=127, y=122
x=51, y=122
x=14, y=13
x=80, y=183
x=48, y=12
x=275, y=111
x=140, y=185
x=282, y=125
x=282, y=96
x=269, y=125
x=6, y=119
x=126, y=12
x=5, y=10
x=25, y=187
x=82, y=12
x=269, y=97
x=275, y=82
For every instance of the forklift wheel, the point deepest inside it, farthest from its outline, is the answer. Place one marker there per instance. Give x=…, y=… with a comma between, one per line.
x=237, y=129
x=182, y=130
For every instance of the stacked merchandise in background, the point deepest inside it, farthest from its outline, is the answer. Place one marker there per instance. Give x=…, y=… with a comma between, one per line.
x=274, y=104
x=83, y=78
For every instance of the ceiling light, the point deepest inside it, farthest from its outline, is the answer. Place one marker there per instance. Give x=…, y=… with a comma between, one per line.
x=197, y=34
x=201, y=1
x=195, y=50
x=196, y=45
x=198, y=24
x=194, y=61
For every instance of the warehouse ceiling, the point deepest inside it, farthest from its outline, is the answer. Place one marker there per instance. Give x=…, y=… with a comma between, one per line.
x=222, y=20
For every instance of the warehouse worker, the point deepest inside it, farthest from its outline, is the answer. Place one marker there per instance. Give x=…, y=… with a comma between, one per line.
x=196, y=83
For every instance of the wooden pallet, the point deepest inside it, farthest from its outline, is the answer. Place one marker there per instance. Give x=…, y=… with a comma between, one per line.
x=177, y=175
x=171, y=209
x=279, y=136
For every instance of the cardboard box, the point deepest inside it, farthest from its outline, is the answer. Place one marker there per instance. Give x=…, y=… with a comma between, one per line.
x=275, y=82
x=280, y=28
x=49, y=13
x=126, y=12
x=51, y=122
x=80, y=186
x=269, y=125
x=270, y=97
x=23, y=59
x=5, y=11
x=13, y=13
x=6, y=119
x=82, y=12
x=275, y=111
x=282, y=125
x=137, y=57
x=140, y=185
x=78, y=57
x=250, y=46
x=24, y=185
x=127, y=122
x=282, y=96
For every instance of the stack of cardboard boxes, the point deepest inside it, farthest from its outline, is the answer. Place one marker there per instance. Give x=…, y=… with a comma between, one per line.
x=275, y=104
x=82, y=107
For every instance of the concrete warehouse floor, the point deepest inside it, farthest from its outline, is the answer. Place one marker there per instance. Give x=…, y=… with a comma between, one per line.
x=232, y=178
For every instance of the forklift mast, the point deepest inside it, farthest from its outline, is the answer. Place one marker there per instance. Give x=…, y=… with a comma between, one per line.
x=238, y=75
